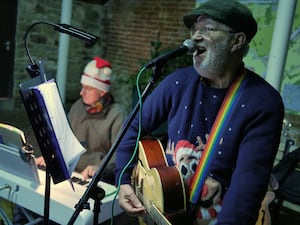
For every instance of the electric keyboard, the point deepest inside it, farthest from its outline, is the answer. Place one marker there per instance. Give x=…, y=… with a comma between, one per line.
x=30, y=195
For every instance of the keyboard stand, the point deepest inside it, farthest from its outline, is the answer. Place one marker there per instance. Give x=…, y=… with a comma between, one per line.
x=30, y=218
x=13, y=162
x=5, y=218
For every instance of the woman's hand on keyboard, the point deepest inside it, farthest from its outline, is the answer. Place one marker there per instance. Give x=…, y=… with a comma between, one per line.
x=88, y=172
x=40, y=161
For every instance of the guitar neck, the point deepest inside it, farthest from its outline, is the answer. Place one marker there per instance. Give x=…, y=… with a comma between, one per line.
x=155, y=213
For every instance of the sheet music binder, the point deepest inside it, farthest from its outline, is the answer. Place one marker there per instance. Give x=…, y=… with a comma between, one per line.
x=44, y=131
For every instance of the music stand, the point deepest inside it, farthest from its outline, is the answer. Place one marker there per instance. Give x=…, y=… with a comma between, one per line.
x=55, y=165
x=43, y=130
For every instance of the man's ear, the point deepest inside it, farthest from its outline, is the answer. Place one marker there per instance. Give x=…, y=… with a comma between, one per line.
x=239, y=41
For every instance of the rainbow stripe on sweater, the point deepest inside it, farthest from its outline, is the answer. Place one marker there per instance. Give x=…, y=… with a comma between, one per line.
x=225, y=111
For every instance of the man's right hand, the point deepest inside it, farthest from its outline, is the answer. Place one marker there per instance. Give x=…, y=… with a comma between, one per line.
x=129, y=201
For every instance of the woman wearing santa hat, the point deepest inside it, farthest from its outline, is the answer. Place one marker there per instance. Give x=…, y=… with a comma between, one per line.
x=96, y=118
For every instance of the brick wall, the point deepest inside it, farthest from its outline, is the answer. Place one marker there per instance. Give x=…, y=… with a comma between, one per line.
x=131, y=26
x=43, y=41
x=125, y=28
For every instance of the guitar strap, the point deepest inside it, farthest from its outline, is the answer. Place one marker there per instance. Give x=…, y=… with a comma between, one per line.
x=225, y=112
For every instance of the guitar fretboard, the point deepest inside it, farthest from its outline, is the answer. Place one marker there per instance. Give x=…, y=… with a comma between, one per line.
x=156, y=215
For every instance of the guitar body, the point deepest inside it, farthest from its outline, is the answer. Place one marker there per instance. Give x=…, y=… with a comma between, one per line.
x=159, y=186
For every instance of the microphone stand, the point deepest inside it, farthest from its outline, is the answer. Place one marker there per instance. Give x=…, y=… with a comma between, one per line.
x=90, y=191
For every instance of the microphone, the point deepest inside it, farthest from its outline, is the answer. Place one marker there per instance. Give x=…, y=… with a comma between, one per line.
x=187, y=47
x=90, y=39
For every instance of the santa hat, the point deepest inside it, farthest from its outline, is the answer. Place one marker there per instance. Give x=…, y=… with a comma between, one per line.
x=97, y=74
x=184, y=147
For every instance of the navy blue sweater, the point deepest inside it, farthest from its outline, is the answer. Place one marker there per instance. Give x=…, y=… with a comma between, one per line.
x=250, y=140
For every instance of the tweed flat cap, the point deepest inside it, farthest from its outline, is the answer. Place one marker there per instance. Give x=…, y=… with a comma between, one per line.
x=229, y=12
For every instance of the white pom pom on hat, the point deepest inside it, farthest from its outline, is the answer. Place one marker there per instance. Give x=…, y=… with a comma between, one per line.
x=97, y=73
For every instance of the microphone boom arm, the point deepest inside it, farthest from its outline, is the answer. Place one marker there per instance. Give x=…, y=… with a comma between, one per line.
x=90, y=39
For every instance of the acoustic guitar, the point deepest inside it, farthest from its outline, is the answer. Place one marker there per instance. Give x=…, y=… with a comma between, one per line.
x=159, y=186
x=264, y=217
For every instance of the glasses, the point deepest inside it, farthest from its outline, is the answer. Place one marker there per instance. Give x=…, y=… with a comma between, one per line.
x=207, y=31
